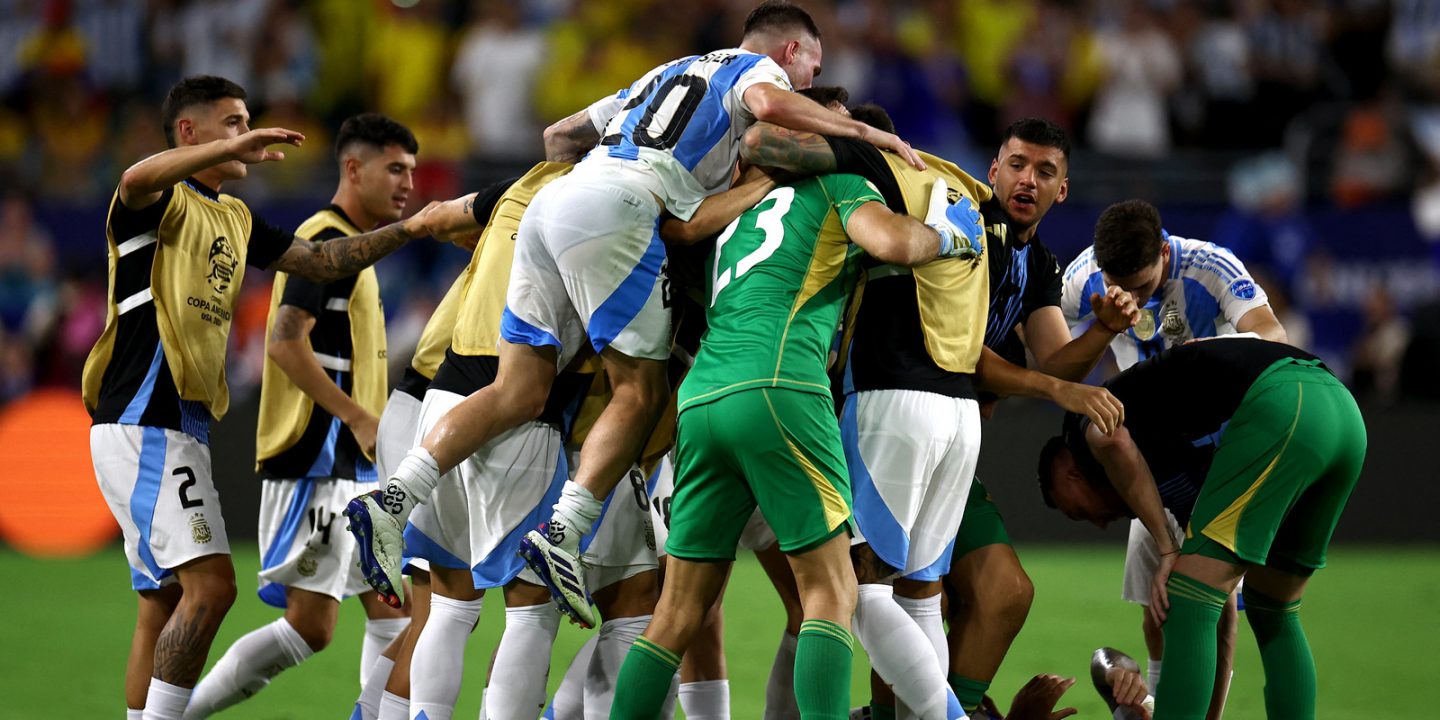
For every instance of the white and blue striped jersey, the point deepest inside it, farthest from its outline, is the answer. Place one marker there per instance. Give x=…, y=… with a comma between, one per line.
x=681, y=123
x=1205, y=294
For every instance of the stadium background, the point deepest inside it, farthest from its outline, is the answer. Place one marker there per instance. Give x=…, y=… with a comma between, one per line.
x=1304, y=135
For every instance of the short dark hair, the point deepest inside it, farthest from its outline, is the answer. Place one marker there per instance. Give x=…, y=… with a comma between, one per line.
x=1045, y=471
x=1039, y=131
x=192, y=91
x=375, y=130
x=826, y=94
x=1128, y=238
x=779, y=15
x=874, y=116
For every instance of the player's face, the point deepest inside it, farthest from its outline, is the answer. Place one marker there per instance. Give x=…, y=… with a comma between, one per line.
x=1143, y=284
x=802, y=62
x=1079, y=499
x=220, y=120
x=1028, y=179
x=385, y=179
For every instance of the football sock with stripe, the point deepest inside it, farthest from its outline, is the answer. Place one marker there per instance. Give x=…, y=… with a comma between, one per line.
x=969, y=691
x=368, y=704
x=247, y=667
x=902, y=655
x=645, y=680
x=1190, y=646
x=439, y=659
x=780, y=688
x=575, y=514
x=1284, y=651
x=706, y=700
x=823, y=653
x=522, y=662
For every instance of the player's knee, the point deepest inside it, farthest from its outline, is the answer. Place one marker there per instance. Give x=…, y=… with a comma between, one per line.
x=1007, y=601
x=210, y=595
x=317, y=635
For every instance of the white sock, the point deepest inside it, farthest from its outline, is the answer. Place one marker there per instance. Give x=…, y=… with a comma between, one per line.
x=926, y=614
x=569, y=703
x=615, y=638
x=247, y=667
x=780, y=689
x=1152, y=674
x=901, y=654
x=164, y=701
x=373, y=687
x=439, y=659
x=575, y=515
x=705, y=700
x=378, y=636
x=133, y=714
x=667, y=708
x=522, y=663
x=394, y=707
x=412, y=483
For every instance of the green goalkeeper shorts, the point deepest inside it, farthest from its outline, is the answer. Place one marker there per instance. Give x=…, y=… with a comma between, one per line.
x=1283, y=471
x=981, y=525
x=776, y=448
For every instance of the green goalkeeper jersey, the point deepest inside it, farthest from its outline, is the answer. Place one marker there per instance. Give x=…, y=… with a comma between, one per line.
x=780, y=277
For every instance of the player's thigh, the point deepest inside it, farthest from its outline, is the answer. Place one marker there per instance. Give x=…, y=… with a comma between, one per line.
x=159, y=487
x=538, y=309
x=794, y=463
x=711, y=501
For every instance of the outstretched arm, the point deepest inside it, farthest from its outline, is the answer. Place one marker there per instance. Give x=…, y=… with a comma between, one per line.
x=769, y=145
x=772, y=104
x=999, y=376
x=142, y=184
x=342, y=257
x=891, y=238
x=718, y=210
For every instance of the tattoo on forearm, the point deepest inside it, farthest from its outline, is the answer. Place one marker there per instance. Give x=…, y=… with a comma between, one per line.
x=182, y=646
x=342, y=257
x=571, y=139
x=289, y=324
x=800, y=152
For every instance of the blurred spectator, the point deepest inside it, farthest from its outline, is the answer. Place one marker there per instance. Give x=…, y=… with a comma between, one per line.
x=1285, y=37
x=917, y=79
x=1142, y=66
x=494, y=74
x=1217, y=65
x=407, y=58
x=1413, y=45
x=72, y=127
x=285, y=62
x=114, y=33
x=19, y=20
x=27, y=272
x=219, y=37
x=987, y=32
x=592, y=54
x=1376, y=357
x=1373, y=158
x=1266, y=225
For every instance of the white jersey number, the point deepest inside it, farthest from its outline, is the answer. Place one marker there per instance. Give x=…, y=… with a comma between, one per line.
x=768, y=221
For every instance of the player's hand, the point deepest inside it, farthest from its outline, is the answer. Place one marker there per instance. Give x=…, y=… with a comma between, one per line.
x=364, y=427
x=1096, y=403
x=418, y=225
x=453, y=221
x=1159, y=595
x=893, y=143
x=253, y=146
x=1036, y=701
x=1116, y=309
x=1129, y=689
x=958, y=225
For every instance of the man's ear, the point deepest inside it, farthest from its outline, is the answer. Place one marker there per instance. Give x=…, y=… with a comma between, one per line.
x=184, y=131
x=1064, y=191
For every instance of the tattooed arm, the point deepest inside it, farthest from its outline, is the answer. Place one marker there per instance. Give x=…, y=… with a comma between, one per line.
x=806, y=153
x=342, y=257
x=568, y=140
x=289, y=346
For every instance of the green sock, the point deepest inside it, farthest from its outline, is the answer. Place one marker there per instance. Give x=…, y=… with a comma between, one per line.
x=823, y=653
x=644, y=681
x=881, y=712
x=1285, y=653
x=969, y=691
x=1190, y=647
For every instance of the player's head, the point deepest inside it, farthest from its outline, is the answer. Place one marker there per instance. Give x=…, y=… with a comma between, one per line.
x=377, y=164
x=874, y=116
x=1031, y=171
x=833, y=97
x=1065, y=487
x=789, y=36
x=1130, y=248
x=204, y=108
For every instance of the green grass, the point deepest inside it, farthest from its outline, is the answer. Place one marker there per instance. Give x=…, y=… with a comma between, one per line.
x=66, y=632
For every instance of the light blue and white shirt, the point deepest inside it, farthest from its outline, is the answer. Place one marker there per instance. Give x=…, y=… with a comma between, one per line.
x=677, y=129
x=1206, y=292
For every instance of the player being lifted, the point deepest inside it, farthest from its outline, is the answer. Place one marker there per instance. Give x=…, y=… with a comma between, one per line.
x=589, y=268
x=156, y=377
x=323, y=386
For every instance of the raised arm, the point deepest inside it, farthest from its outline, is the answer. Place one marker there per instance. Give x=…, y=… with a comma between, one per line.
x=568, y=140
x=773, y=104
x=289, y=347
x=342, y=257
x=1056, y=353
x=997, y=375
x=142, y=183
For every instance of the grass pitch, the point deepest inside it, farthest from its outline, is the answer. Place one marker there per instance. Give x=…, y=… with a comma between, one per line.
x=1369, y=618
